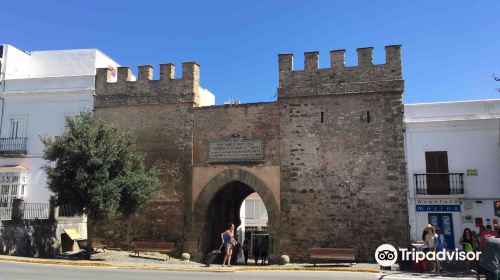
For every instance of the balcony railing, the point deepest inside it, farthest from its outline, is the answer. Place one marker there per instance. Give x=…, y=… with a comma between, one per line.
x=35, y=211
x=5, y=212
x=439, y=183
x=13, y=146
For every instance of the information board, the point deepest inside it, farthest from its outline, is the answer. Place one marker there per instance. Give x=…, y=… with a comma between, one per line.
x=239, y=150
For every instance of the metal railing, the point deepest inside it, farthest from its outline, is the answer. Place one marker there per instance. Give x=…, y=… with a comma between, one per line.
x=67, y=210
x=35, y=211
x=439, y=183
x=6, y=211
x=13, y=146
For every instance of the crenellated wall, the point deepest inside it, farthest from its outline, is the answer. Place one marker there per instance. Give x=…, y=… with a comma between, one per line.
x=339, y=79
x=145, y=90
x=160, y=114
x=342, y=154
x=333, y=149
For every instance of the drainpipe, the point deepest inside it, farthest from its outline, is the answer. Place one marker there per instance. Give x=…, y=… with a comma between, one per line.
x=1, y=115
x=2, y=83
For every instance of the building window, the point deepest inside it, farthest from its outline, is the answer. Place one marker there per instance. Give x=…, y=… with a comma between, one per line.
x=17, y=128
x=250, y=209
x=12, y=185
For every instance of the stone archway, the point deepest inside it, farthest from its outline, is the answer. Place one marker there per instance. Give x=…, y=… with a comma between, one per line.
x=247, y=183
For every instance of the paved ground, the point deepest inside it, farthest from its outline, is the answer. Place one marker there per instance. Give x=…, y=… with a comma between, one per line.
x=15, y=271
x=124, y=259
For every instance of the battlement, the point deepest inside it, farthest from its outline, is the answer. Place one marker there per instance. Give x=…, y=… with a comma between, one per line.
x=339, y=78
x=145, y=90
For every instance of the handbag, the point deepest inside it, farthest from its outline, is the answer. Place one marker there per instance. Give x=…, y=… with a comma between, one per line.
x=439, y=246
x=468, y=247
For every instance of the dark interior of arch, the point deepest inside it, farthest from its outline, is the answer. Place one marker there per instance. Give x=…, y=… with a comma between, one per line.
x=223, y=209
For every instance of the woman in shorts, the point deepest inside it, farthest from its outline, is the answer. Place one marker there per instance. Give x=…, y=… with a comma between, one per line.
x=228, y=242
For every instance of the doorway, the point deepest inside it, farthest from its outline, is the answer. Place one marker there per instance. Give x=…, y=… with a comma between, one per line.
x=438, y=177
x=445, y=222
x=219, y=204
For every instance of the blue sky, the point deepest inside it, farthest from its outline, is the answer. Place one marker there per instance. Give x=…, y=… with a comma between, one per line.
x=450, y=48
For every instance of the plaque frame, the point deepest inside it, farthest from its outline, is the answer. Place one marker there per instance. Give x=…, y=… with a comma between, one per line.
x=261, y=159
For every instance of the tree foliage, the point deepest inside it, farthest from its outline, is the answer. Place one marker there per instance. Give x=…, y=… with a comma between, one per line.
x=496, y=78
x=94, y=167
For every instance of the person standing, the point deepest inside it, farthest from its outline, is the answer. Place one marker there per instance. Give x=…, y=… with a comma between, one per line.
x=236, y=253
x=425, y=248
x=441, y=244
x=475, y=241
x=431, y=239
x=485, y=234
x=467, y=242
x=256, y=251
x=228, y=242
x=264, y=250
x=246, y=248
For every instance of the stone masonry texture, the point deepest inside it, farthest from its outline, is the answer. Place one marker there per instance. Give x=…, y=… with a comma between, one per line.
x=333, y=142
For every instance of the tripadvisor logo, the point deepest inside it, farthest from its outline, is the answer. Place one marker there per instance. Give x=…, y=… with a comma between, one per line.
x=387, y=255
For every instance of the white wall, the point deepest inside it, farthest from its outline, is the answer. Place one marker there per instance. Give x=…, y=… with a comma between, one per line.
x=59, y=63
x=471, y=144
x=44, y=114
x=470, y=133
x=15, y=64
x=62, y=63
x=58, y=84
x=206, y=97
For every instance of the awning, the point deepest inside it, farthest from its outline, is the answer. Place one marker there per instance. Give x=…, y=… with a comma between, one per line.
x=73, y=234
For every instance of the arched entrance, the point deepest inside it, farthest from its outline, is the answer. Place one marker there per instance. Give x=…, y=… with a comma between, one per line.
x=219, y=204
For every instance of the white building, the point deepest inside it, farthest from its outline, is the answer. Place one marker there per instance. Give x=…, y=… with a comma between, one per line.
x=253, y=216
x=453, y=163
x=37, y=90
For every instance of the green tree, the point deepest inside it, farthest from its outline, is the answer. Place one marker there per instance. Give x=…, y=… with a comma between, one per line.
x=95, y=168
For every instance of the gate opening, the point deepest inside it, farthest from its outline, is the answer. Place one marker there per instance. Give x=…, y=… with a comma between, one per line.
x=239, y=204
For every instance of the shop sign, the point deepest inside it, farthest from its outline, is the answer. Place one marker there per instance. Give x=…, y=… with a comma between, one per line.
x=438, y=201
x=472, y=172
x=438, y=208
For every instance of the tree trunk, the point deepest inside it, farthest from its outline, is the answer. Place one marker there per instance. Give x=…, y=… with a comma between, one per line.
x=90, y=236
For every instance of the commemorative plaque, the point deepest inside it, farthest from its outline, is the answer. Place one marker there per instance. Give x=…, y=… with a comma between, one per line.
x=236, y=150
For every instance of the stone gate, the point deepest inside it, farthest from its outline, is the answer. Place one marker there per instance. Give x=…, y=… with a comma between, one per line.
x=327, y=157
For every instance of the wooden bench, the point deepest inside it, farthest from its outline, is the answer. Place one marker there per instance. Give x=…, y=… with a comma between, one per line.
x=97, y=244
x=153, y=246
x=334, y=254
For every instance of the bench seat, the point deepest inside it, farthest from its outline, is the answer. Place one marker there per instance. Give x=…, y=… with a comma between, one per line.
x=334, y=254
x=153, y=246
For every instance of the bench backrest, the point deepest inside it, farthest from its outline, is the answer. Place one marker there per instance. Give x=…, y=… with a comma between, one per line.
x=154, y=245
x=347, y=253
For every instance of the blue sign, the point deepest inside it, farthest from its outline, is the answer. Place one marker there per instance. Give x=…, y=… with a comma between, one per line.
x=438, y=208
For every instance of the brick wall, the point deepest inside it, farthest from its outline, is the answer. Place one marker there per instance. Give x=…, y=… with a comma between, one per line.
x=160, y=115
x=342, y=155
x=334, y=140
x=258, y=120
